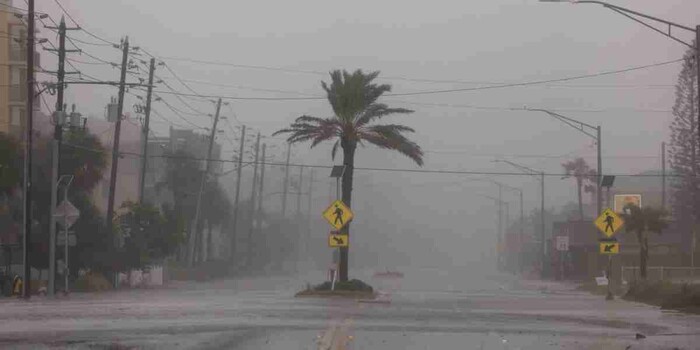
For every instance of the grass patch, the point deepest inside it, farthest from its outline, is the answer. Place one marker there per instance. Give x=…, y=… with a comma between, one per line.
x=351, y=289
x=682, y=297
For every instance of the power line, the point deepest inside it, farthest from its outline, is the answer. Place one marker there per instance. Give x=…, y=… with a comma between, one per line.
x=498, y=108
x=179, y=115
x=432, y=92
x=389, y=77
x=81, y=28
x=401, y=170
x=548, y=156
x=166, y=120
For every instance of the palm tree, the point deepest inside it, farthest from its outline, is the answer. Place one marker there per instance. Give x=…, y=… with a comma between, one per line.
x=354, y=100
x=584, y=175
x=641, y=221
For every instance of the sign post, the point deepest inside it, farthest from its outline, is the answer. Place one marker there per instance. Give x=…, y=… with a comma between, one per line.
x=562, y=244
x=609, y=223
x=69, y=215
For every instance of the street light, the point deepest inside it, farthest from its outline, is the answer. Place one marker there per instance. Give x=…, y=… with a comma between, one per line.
x=539, y=174
x=522, y=211
x=595, y=135
x=500, y=235
x=631, y=13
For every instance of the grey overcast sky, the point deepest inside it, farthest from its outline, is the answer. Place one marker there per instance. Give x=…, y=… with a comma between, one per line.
x=474, y=42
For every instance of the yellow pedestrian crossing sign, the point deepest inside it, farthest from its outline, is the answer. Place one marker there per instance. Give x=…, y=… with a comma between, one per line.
x=609, y=247
x=338, y=214
x=336, y=240
x=609, y=222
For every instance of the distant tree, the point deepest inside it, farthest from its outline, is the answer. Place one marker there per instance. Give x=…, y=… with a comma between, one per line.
x=10, y=164
x=584, y=176
x=83, y=157
x=684, y=147
x=183, y=176
x=354, y=100
x=147, y=236
x=215, y=211
x=641, y=221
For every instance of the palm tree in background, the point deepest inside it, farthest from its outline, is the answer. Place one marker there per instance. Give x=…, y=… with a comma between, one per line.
x=354, y=100
x=641, y=221
x=585, y=179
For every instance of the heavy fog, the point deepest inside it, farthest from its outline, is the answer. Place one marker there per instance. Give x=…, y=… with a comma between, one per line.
x=285, y=49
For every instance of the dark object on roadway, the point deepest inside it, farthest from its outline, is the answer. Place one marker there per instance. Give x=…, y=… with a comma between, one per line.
x=639, y=336
x=389, y=274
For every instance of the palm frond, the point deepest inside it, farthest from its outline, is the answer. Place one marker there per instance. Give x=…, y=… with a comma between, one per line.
x=377, y=111
x=390, y=137
x=307, y=128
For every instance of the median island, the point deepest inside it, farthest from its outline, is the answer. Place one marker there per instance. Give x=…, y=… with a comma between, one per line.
x=354, y=289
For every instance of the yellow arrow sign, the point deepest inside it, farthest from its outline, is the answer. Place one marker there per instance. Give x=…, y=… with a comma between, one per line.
x=609, y=248
x=338, y=214
x=608, y=222
x=336, y=240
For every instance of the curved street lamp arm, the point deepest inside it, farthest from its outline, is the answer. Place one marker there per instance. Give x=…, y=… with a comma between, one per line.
x=523, y=168
x=667, y=34
x=628, y=11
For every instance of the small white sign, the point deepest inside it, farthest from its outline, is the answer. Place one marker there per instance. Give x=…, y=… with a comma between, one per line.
x=562, y=243
x=601, y=281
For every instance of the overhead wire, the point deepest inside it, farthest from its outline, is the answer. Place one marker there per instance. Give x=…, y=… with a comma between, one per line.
x=443, y=91
x=81, y=28
x=390, y=77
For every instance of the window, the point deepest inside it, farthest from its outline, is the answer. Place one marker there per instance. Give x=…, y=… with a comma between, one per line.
x=18, y=89
x=17, y=52
x=16, y=116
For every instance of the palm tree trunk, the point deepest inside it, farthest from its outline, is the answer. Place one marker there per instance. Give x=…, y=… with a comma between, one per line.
x=579, y=185
x=349, y=162
x=643, y=256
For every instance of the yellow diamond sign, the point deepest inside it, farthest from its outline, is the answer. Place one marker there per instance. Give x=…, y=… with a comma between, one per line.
x=609, y=222
x=338, y=214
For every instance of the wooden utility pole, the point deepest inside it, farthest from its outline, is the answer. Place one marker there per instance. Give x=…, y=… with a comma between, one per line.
x=286, y=180
x=234, y=234
x=301, y=181
x=196, y=234
x=253, y=218
x=145, y=131
x=117, y=131
x=262, y=182
x=28, y=126
x=59, y=119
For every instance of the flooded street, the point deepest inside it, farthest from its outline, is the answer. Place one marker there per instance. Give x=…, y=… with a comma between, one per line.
x=427, y=309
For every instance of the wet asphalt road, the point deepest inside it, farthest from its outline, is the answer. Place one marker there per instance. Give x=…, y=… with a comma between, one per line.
x=427, y=309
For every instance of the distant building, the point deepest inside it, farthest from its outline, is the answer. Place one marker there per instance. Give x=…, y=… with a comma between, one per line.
x=13, y=73
x=193, y=143
x=127, y=185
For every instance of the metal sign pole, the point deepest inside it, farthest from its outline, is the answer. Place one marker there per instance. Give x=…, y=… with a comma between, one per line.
x=65, y=247
x=337, y=196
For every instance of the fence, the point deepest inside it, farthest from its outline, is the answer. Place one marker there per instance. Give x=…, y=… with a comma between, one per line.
x=662, y=273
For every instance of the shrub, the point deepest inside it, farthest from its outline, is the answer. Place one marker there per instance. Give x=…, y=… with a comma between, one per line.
x=354, y=285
